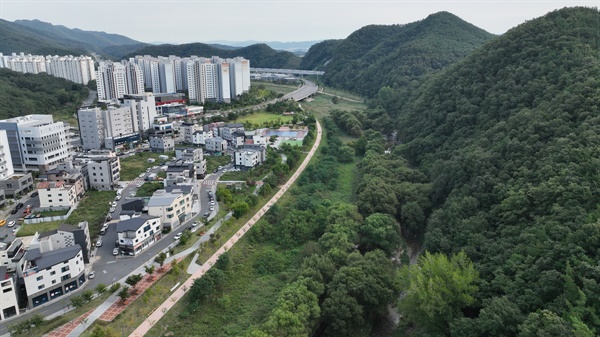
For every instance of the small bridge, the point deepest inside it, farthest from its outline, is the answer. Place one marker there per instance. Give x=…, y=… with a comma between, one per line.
x=287, y=71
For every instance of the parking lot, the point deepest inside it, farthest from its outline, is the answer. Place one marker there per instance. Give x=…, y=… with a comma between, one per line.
x=7, y=234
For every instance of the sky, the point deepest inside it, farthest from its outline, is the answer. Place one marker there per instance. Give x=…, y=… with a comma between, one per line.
x=185, y=21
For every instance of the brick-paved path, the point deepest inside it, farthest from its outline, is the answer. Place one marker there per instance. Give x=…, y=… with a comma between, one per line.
x=65, y=330
x=180, y=292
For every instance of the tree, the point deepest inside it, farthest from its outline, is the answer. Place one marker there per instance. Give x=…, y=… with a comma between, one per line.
x=544, y=323
x=342, y=314
x=101, y=288
x=345, y=154
x=133, y=280
x=77, y=301
x=160, y=259
x=380, y=231
x=149, y=270
x=335, y=100
x=124, y=294
x=87, y=295
x=104, y=332
x=437, y=288
x=239, y=209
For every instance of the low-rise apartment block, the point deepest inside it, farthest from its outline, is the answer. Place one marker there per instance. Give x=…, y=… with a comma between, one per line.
x=65, y=236
x=173, y=205
x=162, y=143
x=216, y=144
x=9, y=305
x=57, y=194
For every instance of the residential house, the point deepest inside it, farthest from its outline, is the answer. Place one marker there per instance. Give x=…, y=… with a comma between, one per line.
x=216, y=144
x=173, y=205
x=65, y=236
x=16, y=185
x=162, y=143
x=226, y=132
x=200, y=137
x=57, y=194
x=137, y=234
x=11, y=255
x=47, y=276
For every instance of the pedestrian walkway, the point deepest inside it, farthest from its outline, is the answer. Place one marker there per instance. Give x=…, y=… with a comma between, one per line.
x=209, y=182
x=137, y=182
x=180, y=292
x=65, y=330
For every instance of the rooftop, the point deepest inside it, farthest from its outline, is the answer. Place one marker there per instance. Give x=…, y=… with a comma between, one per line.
x=53, y=257
x=50, y=184
x=162, y=198
x=133, y=224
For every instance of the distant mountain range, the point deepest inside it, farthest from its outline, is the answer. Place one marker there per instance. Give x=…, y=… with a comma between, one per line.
x=287, y=46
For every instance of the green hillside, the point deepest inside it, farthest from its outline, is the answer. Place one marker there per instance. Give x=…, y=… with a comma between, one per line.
x=260, y=55
x=23, y=94
x=376, y=56
x=96, y=39
x=16, y=39
x=509, y=138
x=319, y=54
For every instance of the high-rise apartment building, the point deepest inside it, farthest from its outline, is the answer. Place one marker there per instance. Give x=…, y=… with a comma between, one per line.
x=78, y=69
x=114, y=80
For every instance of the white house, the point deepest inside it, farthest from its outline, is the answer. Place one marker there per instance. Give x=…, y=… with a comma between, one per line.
x=200, y=137
x=247, y=158
x=173, y=205
x=48, y=276
x=57, y=194
x=216, y=144
x=64, y=236
x=162, y=143
x=137, y=234
x=9, y=306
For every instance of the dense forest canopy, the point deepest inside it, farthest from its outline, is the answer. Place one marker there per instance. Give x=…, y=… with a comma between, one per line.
x=23, y=94
x=509, y=138
x=395, y=55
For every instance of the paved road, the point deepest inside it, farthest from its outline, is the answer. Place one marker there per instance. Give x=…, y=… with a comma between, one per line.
x=90, y=99
x=7, y=234
x=309, y=88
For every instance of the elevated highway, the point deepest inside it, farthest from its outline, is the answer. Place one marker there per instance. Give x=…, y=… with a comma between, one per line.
x=306, y=90
x=287, y=71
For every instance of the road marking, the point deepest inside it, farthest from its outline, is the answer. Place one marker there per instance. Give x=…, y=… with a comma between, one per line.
x=104, y=271
x=109, y=262
x=208, y=182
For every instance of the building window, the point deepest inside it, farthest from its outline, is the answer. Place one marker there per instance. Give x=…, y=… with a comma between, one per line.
x=64, y=269
x=53, y=273
x=7, y=290
x=39, y=278
x=65, y=277
x=40, y=287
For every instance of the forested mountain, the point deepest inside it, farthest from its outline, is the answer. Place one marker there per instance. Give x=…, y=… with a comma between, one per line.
x=319, y=54
x=23, y=94
x=41, y=38
x=510, y=139
x=96, y=39
x=260, y=55
x=376, y=56
x=16, y=38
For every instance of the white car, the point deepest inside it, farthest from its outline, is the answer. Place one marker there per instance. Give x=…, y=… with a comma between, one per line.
x=92, y=275
x=212, y=208
x=177, y=236
x=212, y=202
x=142, y=175
x=99, y=243
x=114, y=204
x=12, y=223
x=116, y=251
x=113, y=209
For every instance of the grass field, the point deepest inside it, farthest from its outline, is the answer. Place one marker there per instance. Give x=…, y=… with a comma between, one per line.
x=321, y=105
x=93, y=208
x=30, y=229
x=132, y=166
x=262, y=117
x=213, y=162
x=148, y=189
x=278, y=88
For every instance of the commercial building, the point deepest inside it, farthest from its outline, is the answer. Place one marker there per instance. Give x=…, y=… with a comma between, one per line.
x=102, y=169
x=48, y=276
x=65, y=236
x=173, y=205
x=36, y=142
x=137, y=234
x=9, y=306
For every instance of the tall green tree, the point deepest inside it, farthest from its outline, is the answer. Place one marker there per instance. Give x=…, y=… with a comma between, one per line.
x=437, y=288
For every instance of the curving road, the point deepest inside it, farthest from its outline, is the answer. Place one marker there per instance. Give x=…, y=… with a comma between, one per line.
x=308, y=89
x=180, y=292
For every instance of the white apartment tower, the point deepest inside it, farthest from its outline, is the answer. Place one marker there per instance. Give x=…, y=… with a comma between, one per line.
x=167, y=76
x=135, y=78
x=111, y=80
x=143, y=109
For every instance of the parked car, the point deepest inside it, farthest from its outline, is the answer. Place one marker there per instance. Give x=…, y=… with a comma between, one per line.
x=14, y=211
x=91, y=275
x=20, y=205
x=212, y=208
x=99, y=242
x=142, y=175
x=177, y=236
x=117, y=243
x=12, y=223
x=207, y=214
x=112, y=209
x=34, y=194
x=114, y=204
x=118, y=198
x=116, y=251
x=2, y=223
